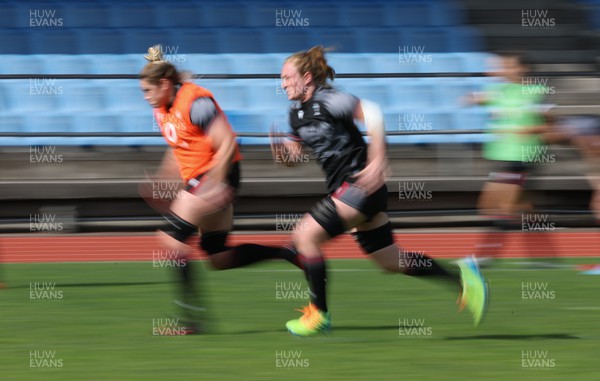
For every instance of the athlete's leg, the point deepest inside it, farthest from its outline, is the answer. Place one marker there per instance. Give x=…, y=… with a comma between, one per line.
x=316, y=227
x=498, y=201
x=182, y=222
x=376, y=239
x=307, y=238
x=215, y=229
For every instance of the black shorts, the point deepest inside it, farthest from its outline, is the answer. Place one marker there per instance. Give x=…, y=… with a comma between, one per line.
x=510, y=172
x=356, y=197
x=233, y=178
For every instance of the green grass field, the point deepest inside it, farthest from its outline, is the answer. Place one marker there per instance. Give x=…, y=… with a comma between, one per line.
x=101, y=327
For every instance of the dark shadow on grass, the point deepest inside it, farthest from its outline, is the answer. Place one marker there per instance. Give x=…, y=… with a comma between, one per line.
x=334, y=329
x=372, y=327
x=549, y=336
x=99, y=284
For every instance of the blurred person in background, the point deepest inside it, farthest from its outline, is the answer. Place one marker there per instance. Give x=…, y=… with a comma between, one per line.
x=518, y=110
x=583, y=132
x=204, y=154
x=323, y=119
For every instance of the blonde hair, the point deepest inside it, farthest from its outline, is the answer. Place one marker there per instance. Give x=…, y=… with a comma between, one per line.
x=313, y=61
x=157, y=68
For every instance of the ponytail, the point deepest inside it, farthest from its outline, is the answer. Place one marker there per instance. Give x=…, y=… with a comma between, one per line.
x=313, y=61
x=158, y=68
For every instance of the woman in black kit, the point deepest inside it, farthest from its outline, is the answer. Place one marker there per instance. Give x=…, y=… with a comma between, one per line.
x=322, y=118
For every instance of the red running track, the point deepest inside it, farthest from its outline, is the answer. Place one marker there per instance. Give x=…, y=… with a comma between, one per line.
x=142, y=247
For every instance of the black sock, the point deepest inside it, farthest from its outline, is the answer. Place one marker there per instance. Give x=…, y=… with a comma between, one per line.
x=249, y=253
x=316, y=275
x=193, y=303
x=187, y=279
x=425, y=266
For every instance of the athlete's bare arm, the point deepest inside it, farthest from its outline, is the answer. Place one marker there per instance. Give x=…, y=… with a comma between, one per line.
x=223, y=144
x=372, y=177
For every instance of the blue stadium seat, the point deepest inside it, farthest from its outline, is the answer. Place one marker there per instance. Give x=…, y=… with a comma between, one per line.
x=410, y=13
x=393, y=63
x=125, y=96
x=263, y=122
x=116, y=63
x=101, y=41
x=107, y=122
x=49, y=141
x=59, y=41
x=381, y=40
x=242, y=122
x=139, y=141
x=33, y=95
x=441, y=63
x=52, y=122
x=10, y=15
x=475, y=62
x=210, y=63
x=251, y=141
x=472, y=118
x=41, y=16
x=242, y=40
x=132, y=15
x=197, y=40
x=254, y=63
x=15, y=41
x=309, y=15
x=140, y=122
x=266, y=13
x=417, y=94
x=139, y=40
x=96, y=122
x=464, y=39
x=86, y=15
x=419, y=120
x=430, y=39
x=11, y=122
x=317, y=14
x=6, y=98
x=82, y=96
x=450, y=93
x=447, y=13
x=14, y=142
x=66, y=64
x=179, y=14
x=224, y=14
x=362, y=14
x=342, y=40
x=231, y=95
x=376, y=92
x=21, y=64
x=349, y=62
x=268, y=96
x=282, y=40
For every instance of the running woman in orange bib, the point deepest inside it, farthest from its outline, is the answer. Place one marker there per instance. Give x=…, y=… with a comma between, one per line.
x=204, y=152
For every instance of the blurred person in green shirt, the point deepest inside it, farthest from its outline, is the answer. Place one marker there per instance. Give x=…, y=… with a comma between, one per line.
x=518, y=118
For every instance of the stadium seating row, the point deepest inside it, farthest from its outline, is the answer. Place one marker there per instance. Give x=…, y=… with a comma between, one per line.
x=243, y=122
x=107, y=122
x=403, y=61
x=443, y=39
x=170, y=14
x=81, y=96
